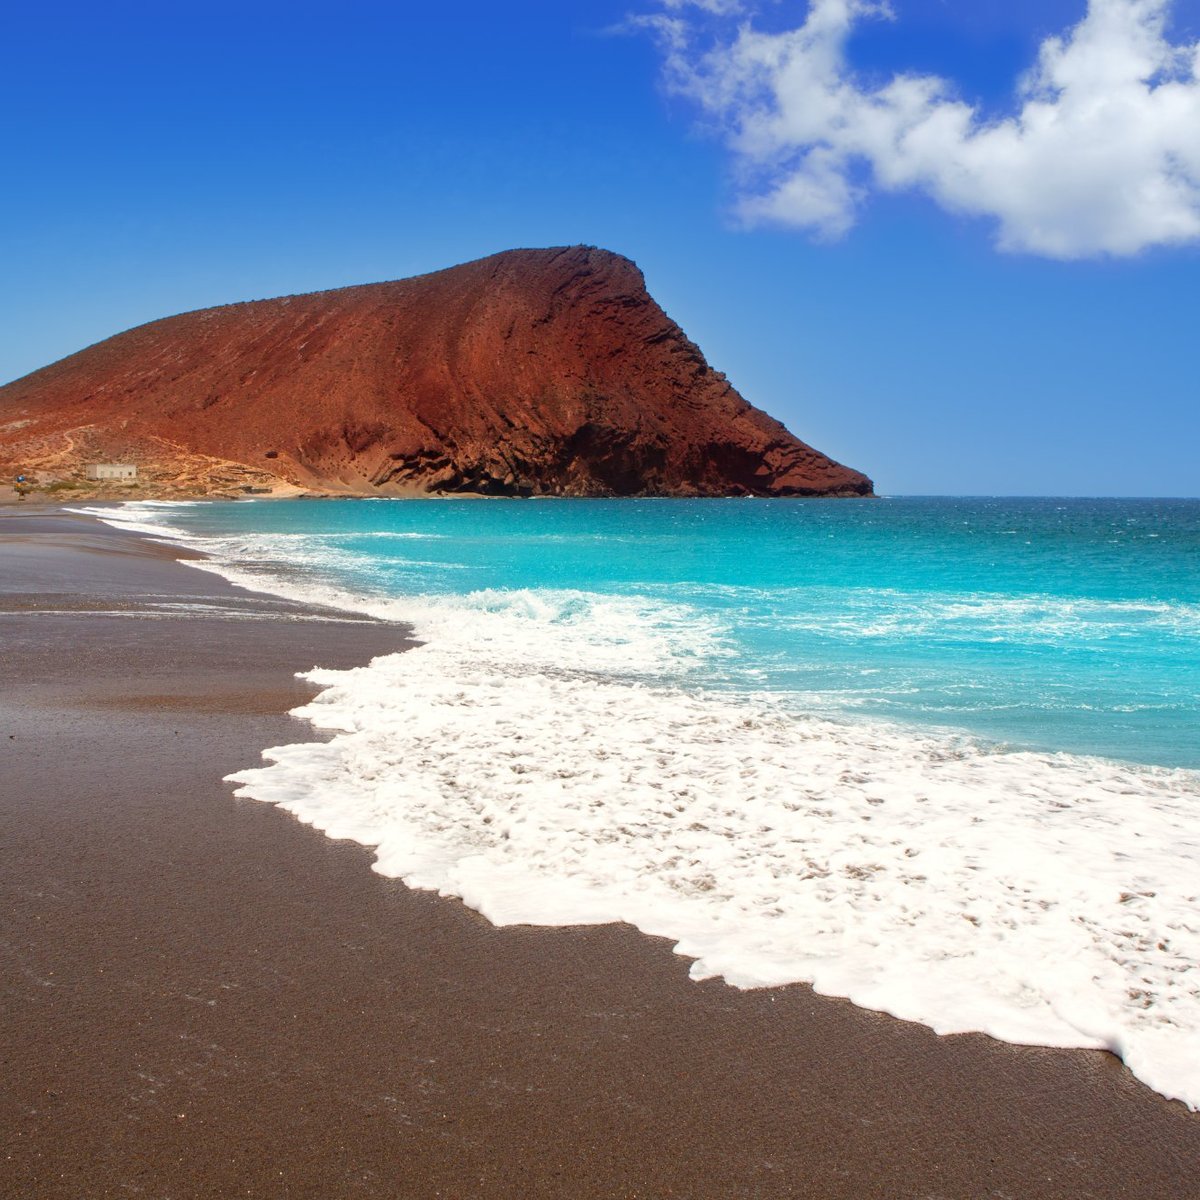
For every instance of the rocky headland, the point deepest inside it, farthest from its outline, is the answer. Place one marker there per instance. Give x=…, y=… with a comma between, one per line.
x=529, y=373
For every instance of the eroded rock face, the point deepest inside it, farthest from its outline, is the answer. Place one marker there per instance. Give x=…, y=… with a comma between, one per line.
x=532, y=372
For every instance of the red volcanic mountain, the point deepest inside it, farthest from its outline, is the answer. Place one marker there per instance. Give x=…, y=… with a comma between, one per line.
x=533, y=372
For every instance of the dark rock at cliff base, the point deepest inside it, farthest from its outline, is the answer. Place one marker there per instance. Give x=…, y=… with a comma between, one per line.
x=532, y=372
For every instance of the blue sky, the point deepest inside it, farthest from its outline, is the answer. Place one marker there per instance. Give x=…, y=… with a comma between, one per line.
x=159, y=158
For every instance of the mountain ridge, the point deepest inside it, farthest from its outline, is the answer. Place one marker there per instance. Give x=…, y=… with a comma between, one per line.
x=529, y=372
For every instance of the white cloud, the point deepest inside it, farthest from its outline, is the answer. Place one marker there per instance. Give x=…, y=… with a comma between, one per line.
x=1101, y=154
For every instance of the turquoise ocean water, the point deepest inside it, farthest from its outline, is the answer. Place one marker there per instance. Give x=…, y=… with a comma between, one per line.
x=1053, y=624
x=804, y=739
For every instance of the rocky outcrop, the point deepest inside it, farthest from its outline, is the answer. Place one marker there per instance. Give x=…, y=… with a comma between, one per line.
x=532, y=372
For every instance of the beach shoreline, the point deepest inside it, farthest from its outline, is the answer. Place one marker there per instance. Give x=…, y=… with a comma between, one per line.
x=205, y=997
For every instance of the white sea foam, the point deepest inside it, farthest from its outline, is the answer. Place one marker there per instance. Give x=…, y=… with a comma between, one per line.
x=147, y=517
x=548, y=757
x=1016, y=620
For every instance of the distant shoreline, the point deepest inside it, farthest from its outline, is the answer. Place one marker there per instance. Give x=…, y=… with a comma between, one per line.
x=67, y=498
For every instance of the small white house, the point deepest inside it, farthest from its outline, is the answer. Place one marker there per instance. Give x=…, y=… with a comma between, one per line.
x=124, y=471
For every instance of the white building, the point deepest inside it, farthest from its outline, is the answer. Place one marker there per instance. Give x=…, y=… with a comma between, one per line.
x=125, y=471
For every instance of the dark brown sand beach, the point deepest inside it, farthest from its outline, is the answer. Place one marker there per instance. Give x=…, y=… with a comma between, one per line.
x=204, y=998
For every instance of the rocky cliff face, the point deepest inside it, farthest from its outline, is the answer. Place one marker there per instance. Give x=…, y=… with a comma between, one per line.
x=532, y=372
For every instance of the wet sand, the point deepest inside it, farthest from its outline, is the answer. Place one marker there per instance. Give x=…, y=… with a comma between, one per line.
x=204, y=998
